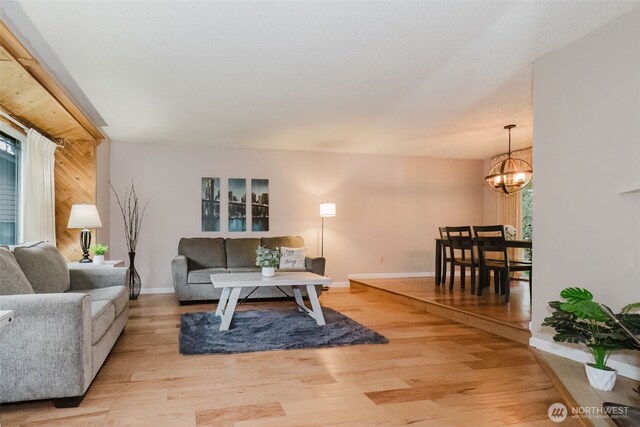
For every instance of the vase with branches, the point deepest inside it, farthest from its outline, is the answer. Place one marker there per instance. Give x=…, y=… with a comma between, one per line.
x=132, y=214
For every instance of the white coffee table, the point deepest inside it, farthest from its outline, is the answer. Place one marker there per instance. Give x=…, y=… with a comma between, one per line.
x=233, y=283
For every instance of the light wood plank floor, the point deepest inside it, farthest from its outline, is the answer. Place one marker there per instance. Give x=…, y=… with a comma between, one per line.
x=490, y=305
x=433, y=372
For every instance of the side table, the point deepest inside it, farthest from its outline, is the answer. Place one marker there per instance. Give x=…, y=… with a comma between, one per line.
x=6, y=316
x=107, y=264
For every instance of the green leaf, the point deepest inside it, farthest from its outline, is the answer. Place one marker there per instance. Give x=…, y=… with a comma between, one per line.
x=585, y=309
x=555, y=305
x=576, y=295
x=630, y=307
x=571, y=337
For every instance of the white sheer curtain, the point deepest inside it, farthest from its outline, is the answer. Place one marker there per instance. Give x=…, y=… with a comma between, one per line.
x=38, y=189
x=510, y=205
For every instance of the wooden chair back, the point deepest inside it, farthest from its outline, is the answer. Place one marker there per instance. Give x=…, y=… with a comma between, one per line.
x=461, y=240
x=491, y=239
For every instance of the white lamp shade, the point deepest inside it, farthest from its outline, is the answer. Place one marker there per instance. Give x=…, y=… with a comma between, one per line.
x=84, y=216
x=327, y=209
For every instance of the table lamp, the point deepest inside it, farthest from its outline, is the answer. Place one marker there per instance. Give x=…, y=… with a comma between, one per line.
x=85, y=217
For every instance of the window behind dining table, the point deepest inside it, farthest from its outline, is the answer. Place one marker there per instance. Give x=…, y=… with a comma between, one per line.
x=527, y=217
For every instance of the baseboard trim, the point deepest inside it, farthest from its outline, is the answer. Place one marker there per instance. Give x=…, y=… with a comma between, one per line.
x=157, y=291
x=340, y=285
x=390, y=275
x=624, y=369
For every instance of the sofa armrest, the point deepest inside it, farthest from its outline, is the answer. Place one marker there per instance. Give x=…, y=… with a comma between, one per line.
x=315, y=265
x=94, y=278
x=179, y=272
x=46, y=350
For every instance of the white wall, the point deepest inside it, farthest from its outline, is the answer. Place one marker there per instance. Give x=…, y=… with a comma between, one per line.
x=388, y=208
x=103, y=160
x=491, y=199
x=587, y=147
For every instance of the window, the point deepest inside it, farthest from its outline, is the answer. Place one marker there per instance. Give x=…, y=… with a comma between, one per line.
x=9, y=189
x=527, y=216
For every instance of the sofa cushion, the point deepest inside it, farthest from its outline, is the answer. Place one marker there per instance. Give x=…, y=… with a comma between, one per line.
x=202, y=275
x=117, y=295
x=12, y=280
x=292, y=258
x=203, y=252
x=45, y=267
x=241, y=252
x=103, y=313
x=286, y=241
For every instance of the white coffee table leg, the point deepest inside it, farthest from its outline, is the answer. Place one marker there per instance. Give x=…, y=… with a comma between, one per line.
x=315, y=305
x=224, y=297
x=227, y=315
x=298, y=296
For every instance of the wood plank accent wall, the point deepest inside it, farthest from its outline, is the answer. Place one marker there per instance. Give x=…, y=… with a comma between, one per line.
x=29, y=92
x=33, y=97
x=75, y=177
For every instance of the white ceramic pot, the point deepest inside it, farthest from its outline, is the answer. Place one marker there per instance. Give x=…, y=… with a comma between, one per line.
x=600, y=379
x=268, y=271
x=98, y=259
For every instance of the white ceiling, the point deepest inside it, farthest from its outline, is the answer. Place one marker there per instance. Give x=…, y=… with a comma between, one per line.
x=408, y=78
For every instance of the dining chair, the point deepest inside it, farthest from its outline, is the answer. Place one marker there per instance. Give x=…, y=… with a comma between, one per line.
x=445, y=256
x=461, y=254
x=493, y=256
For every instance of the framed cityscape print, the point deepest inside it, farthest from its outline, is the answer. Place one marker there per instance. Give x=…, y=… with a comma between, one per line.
x=210, y=204
x=259, y=205
x=237, y=204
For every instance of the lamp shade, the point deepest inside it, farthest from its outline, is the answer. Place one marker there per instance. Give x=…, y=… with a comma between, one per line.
x=327, y=209
x=84, y=216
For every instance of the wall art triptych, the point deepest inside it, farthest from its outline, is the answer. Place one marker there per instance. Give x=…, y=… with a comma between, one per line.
x=237, y=204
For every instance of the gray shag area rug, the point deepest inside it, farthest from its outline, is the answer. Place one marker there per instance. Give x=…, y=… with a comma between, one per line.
x=276, y=329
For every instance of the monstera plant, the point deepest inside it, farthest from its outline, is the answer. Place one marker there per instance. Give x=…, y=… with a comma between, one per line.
x=581, y=320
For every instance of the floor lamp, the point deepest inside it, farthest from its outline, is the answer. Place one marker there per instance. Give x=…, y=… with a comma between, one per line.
x=326, y=210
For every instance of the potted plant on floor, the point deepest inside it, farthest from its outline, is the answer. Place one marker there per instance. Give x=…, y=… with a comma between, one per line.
x=268, y=259
x=579, y=319
x=98, y=253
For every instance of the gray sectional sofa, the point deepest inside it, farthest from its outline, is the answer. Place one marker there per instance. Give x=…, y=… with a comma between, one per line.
x=199, y=257
x=66, y=320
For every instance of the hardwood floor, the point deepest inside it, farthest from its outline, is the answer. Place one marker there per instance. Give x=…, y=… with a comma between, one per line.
x=433, y=372
x=487, y=312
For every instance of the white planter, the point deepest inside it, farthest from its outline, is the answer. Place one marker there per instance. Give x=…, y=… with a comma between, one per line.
x=268, y=271
x=599, y=378
x=98, y=259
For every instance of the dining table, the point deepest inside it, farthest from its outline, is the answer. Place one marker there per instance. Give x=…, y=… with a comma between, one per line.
x=440, y=248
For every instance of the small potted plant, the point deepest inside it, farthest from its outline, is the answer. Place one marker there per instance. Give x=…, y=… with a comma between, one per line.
x=579, y=319
x=98, y=253
x=268, y=259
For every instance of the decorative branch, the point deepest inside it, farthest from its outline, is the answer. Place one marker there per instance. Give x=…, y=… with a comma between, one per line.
x=131, y=215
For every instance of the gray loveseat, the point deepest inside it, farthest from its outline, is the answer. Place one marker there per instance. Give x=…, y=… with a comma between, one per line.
x=66, y=320
x=199, y=257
